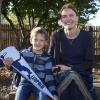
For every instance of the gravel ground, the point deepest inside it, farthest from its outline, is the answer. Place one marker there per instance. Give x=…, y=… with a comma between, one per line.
x=6, y=79
x=5, y=82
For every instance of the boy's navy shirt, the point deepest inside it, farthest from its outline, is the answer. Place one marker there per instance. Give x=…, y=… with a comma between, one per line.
x=42, y=66
x=1, y=63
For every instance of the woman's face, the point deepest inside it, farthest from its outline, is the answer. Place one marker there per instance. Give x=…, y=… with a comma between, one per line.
x=69, y=18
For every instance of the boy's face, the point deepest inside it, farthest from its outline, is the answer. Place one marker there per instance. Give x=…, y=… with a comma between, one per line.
x=38, y=42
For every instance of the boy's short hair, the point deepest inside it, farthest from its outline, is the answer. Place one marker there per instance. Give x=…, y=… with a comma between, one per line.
x=39, y=30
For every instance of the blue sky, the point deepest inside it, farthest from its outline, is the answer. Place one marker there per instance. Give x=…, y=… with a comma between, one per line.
x=95, y=21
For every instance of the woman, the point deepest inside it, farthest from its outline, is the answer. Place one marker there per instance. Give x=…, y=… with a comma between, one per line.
x=72, y=49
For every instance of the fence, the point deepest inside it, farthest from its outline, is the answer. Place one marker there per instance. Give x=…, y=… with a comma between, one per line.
x=96, y=35
x=7, y=36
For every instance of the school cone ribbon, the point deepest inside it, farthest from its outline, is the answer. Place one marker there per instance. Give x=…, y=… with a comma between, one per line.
x=24, y=69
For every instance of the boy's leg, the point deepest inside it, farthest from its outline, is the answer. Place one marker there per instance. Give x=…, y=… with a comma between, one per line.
x=42, y=96
x=23, y=92
x=38, y=95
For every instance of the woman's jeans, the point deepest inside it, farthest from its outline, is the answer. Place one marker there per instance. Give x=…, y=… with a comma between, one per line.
x=25, y=91
x=71, y=87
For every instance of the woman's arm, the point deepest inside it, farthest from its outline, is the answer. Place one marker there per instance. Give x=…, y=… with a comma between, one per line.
x=52, y=44
x=88, y=53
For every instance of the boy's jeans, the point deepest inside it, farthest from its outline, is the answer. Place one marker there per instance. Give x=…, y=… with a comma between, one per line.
x=24, y=91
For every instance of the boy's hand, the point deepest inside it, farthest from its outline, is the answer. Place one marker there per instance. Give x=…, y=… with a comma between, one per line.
x=7, y=62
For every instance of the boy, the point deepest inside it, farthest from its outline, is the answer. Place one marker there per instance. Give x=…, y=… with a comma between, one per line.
x=40, y=62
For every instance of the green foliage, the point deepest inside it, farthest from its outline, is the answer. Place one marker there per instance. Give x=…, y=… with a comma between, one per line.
x=44, y=12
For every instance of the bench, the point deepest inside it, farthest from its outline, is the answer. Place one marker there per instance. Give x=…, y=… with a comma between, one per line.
x=96, y=65
x=12, y=96
x=97, y=89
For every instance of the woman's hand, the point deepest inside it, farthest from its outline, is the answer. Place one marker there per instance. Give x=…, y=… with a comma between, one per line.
x=60, y=68
x=63, y=68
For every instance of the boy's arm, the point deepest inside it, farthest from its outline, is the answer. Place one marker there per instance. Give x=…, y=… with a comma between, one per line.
x=7, y=62
x=1, y=63
x=49, y=79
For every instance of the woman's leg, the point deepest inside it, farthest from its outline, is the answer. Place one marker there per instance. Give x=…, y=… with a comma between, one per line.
x=72, y=92
x=69, y=78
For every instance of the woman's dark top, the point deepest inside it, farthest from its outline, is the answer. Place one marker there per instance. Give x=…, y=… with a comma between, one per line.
x=76, y=53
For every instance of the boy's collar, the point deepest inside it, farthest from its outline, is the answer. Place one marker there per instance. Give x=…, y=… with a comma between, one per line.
x=31, y=50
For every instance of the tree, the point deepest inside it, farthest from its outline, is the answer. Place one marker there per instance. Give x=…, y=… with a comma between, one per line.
x=43, y=13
